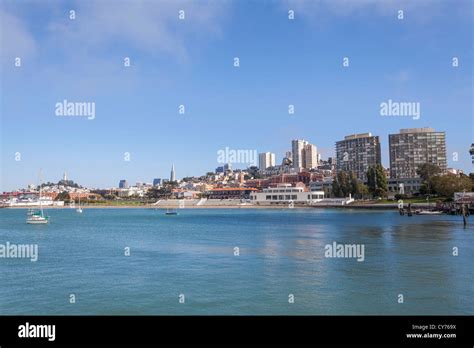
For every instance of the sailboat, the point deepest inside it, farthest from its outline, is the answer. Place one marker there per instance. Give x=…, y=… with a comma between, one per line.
x=171, y=212
x=79, y=209
x=36, y=217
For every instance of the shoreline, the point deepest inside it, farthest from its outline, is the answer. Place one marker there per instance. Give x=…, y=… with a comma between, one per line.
x=368, y=206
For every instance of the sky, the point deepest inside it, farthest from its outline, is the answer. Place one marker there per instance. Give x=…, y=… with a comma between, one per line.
x=138, y=133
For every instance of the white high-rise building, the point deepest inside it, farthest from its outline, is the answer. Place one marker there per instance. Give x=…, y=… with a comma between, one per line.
x=265, y=160
x=305, y=155
x=310, y=159
x=297, y=147
x=172, y=175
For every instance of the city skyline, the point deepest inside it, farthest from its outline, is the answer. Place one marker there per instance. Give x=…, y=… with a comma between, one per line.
x=340, y=163
x=296, y=62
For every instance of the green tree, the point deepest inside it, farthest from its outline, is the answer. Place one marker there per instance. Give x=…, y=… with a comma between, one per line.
x=446, y=185
x=336, y=188
x=357, y=188
x=110, y=196
x=363, y=190
x=471, y=177
x=63, y=196
x=377, y=181
x=341, y=186
x=427, y=172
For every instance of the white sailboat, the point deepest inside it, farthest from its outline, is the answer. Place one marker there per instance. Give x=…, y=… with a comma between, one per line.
x=79, y=209
x=35, y=216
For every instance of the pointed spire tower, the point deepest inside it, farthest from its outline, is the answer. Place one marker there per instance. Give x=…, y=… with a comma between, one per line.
x=172, y=175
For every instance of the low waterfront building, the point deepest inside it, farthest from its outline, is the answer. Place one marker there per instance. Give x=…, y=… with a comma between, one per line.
x=324, y=185
x=186, y=194
x=285, y=193
x=407, y=186
x=464, y=198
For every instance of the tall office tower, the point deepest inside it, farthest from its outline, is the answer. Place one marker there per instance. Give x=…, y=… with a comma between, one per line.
x=297, y=152
x=310, y=156
x=413, y=147
x=356, y=153
x=123, y=184
x=265, y=160
x=172, y=175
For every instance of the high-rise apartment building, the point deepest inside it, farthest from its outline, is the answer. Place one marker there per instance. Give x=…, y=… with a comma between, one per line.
x=266, y=160
x=304, y=154
x=297, y=147
x=356, y=153
x=413, y=147
x=310, y=156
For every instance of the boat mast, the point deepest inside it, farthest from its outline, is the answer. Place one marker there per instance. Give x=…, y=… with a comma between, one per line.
x=41, y=204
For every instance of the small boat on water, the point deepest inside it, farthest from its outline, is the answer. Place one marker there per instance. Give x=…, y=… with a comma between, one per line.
x=79, y=209
x=171, y=212
x=37, y=216
x=428, y=212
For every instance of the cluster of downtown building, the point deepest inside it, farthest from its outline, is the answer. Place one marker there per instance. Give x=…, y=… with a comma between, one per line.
x=408, y=150
x=302, y=176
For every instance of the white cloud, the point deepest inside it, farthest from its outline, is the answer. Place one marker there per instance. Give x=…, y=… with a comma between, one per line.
x=89, y=50
x=16, y=41
x=149, y=26
x=321, y=8
x=400, y=76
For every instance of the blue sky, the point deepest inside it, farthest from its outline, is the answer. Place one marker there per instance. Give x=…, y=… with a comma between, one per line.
x=190, y=62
